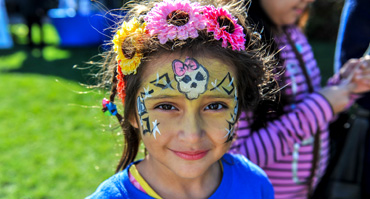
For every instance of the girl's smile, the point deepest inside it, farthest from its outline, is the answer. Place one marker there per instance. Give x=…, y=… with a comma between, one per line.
x=191, y=155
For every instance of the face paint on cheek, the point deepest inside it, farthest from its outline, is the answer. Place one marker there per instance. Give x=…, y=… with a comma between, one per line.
x=142, y=112
x=155, y=129
x=192, y=77
x=231, y=130
x=236, y=100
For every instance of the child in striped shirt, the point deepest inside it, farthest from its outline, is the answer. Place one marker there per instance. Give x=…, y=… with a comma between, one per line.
x=291, y=144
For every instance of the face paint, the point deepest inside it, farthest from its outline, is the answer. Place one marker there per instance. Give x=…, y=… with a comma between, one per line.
x=226, y=84
x=166, y=82
x=192, y=78
x=199, y=120
x=144, y=121
x=155, y=128
x=232, y=121
x=147, y=93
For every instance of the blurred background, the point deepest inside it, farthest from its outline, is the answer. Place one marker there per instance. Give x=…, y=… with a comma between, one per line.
x=54, y=140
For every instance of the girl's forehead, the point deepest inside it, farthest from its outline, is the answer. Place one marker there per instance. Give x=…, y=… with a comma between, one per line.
x=191, y=76
x=185, y=65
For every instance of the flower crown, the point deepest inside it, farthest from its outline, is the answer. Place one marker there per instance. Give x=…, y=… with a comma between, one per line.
x=170, y=20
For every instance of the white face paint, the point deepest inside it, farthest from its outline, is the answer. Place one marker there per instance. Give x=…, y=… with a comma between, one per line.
x=192, y=77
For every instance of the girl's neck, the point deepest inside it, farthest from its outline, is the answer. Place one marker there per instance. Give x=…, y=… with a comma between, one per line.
x=169, y=185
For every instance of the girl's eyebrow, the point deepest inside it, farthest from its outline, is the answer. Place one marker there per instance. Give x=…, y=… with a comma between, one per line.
x=162, y=97
x=222, y=96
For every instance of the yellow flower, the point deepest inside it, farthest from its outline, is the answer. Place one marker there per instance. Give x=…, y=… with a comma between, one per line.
x=126, y=43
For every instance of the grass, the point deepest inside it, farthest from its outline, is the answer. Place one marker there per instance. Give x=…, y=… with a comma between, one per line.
x=55, y=142
x=54, y=145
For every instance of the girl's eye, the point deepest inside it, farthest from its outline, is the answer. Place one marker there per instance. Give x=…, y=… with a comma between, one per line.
x=215, y=106
x=166, y=107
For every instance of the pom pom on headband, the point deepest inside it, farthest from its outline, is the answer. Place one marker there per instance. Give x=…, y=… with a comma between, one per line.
x=109, y=108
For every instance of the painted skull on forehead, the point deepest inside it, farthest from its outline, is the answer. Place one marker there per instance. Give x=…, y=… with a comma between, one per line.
x=192, y=77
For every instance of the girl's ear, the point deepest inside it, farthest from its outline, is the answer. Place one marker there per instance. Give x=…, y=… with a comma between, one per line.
x=134, y=121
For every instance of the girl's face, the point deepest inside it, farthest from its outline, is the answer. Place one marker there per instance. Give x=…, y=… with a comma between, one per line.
x=186, y=112
x=284, y=12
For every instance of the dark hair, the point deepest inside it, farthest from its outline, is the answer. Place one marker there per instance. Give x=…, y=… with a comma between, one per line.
x=270, y=109
x=252, y=65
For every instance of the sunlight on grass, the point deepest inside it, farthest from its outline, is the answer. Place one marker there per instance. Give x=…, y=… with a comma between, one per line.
x=20, y=32
x=50, y=34
x=51, y=53
x=55, y=143
x=12, y=61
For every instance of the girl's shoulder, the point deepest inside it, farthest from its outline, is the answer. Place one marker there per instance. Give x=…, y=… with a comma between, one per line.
x=118, y=186
x=241, y=164
x=242, y=177
x=111, y=188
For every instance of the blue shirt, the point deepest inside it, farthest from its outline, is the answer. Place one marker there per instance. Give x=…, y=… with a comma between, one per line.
x=241, y=179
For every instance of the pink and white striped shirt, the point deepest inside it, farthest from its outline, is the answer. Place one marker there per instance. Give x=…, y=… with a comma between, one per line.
x=284, y=147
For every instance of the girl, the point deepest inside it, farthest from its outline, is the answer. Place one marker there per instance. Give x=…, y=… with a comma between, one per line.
x=184, y=71
x=292, y=146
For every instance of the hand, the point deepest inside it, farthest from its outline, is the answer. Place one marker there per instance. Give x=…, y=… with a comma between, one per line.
x=338, y=96
x=361, y=76
x=348, y=68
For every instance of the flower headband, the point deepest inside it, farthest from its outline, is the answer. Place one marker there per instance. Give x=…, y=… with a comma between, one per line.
x=170, y=20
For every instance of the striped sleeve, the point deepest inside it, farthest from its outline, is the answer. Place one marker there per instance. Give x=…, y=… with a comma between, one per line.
x=270, y=144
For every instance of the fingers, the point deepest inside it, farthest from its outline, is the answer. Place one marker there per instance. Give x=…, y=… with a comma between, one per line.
x=350, y=87
x=357, y=70
x=363, y=72
x=348, y=68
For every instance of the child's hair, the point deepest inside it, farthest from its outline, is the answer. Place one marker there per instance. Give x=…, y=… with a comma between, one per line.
x=247, y=56
x=258, y=19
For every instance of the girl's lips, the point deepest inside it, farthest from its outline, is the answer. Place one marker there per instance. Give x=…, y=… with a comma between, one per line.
x=299, y=11
x=191, y=155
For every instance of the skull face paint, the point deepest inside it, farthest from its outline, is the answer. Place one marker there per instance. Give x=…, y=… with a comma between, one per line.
x=192, y=77
x=177, y=121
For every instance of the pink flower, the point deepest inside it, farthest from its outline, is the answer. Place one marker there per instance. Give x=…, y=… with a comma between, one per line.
x=172, y=19
x=224, y=26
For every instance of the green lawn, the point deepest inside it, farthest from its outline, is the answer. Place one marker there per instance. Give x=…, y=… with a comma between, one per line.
x=53, y=143
x=54, y=140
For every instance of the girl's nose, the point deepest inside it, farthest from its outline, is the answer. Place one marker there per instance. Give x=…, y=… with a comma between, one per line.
x=191, y=130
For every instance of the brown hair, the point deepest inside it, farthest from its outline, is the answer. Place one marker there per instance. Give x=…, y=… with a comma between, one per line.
x=253, y=69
